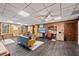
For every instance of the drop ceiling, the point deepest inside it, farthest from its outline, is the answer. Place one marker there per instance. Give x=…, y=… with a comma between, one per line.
x=9, y=12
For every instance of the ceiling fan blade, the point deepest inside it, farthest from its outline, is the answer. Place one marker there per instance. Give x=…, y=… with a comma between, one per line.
x=42, y=15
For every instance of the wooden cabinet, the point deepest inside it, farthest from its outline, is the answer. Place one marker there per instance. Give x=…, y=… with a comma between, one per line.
x=56, y=27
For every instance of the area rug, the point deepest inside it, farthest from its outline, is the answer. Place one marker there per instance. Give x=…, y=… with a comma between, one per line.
x=8, y=41
x=2, y=48
x=36, y=45
x=53, y=40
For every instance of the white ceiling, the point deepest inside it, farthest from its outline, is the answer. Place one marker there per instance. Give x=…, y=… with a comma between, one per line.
x=9, y=12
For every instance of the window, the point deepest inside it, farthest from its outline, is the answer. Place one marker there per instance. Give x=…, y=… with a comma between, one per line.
x=22, y=28
x=5, y=28
x=15, y=27
x=29, y=28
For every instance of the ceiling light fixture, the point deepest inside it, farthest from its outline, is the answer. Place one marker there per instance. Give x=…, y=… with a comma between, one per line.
x=9, y=21
x=23, y=13
x=46, y=19
x=58, y=18
x=20, y=23
x=26, y=24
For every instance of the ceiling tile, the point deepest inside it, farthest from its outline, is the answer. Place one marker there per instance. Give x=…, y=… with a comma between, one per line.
x=55, y=13
x=43, y=12
x=2, y=5
x=27, y=3
x=67, y=14
x=18, y=17
x=67, y=10
x=19, y=5
x=29, y=10
x=48, y=4
x=55, y=7
x=28, y=20
x=75, y=16
x=35, y=15
x=11, y=8
x=9, y=13
x=40, y=14
x=77, y=8
x=67, y=5
x=37, y=6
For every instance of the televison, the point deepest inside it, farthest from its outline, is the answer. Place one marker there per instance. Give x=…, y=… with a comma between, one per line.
x=42, y=30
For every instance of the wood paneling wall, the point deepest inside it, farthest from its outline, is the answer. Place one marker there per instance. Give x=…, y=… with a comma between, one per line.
x=10, y=29
x=71, y=31
x=25, y=30
x=19, y=29
x=32, y=29
x=36, y=27
x=68, y=28
x=0, y=32
x=0, y=28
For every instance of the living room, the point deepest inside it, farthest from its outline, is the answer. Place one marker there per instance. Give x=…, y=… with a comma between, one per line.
x=39, y=29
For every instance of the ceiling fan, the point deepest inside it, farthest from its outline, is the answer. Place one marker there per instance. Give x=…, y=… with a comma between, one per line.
x=47, y=17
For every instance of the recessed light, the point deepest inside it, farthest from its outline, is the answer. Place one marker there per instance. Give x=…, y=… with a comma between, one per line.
x=23, y=13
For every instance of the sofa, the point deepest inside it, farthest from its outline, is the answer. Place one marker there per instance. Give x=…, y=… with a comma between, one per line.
x=24, y=40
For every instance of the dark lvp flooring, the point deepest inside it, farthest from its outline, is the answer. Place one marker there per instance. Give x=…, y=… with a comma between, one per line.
x=49, y=48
